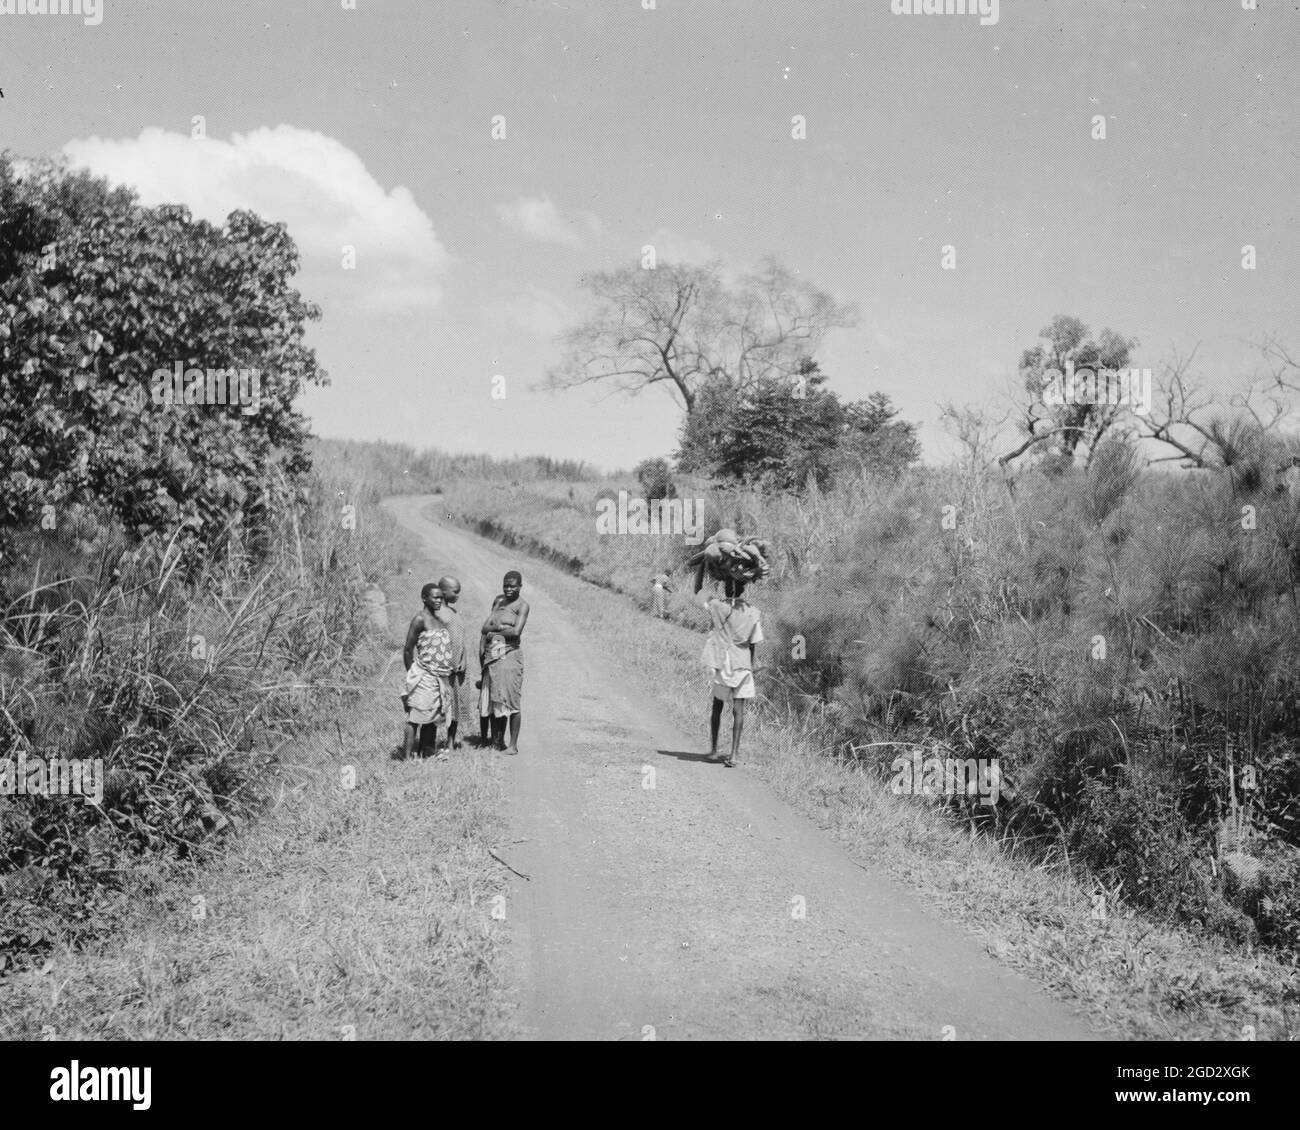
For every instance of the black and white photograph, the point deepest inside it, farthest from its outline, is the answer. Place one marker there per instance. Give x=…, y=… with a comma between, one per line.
x=711, y=521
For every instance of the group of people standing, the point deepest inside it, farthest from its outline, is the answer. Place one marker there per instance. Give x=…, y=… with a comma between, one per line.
x=435, y=655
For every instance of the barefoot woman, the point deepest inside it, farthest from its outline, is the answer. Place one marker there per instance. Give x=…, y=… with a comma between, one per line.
x=430, y=656
x=503, y=663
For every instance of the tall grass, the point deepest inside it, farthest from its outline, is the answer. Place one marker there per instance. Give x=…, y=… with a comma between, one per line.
x=380, y=469
x=1125, y=643
x=184, y=672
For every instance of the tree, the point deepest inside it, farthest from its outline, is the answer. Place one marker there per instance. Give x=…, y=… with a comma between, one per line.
x=1251, y=436
x=98, y=293
x=975, y=427
x=682, y=327
x=656, y=479
x=874, y=440
x=781, y=433
x=1080, y=422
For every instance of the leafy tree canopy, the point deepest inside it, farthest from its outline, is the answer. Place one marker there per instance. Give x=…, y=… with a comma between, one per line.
x=780, y=433
x=97, y=293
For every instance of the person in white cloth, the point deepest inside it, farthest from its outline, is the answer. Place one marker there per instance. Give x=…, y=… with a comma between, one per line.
x=735, y=628
x=660, y=586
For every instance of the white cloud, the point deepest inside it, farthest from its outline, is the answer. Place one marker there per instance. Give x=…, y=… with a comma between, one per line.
x=312, y=183
x=539, y=311
x=673, y=248
x=537, y=217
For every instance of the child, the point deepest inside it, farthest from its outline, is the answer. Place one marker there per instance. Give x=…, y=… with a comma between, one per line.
x=450, y=588
x=492, y=645
x=735, y=627
x=662, y=587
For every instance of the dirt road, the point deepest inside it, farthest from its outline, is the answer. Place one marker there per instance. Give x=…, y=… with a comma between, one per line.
x=670, y=898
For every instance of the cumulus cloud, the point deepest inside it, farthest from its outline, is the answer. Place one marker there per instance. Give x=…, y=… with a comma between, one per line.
x=312, y=183
x=537, y=217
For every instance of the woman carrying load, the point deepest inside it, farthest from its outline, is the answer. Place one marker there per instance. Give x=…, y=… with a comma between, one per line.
x=735, y=628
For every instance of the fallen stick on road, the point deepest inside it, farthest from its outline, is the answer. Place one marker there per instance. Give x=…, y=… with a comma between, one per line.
x=507, y=866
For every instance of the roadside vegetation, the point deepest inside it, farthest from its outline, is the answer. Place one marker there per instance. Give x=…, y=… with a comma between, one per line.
x=1132, y=674
x=1117, y=635
x=1119, y=639
x=192, y=610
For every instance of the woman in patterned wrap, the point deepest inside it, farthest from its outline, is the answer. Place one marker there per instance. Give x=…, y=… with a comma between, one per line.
x=430, y=656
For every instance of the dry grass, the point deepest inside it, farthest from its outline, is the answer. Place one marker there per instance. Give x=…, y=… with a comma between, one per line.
x=362, y=913
x=1121, y=643
x=1134, y=978
x=340, y=912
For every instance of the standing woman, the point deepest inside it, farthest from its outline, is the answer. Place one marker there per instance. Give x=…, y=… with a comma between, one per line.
x=429, y=655
x=503, y=664
x=735, y=629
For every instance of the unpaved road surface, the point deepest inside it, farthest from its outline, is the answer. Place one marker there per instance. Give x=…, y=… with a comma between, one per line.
x=703, y=907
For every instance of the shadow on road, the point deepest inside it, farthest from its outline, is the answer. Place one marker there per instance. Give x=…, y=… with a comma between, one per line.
x=682, y=755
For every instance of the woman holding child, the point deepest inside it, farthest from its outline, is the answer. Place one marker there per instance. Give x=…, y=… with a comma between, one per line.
x=431, y=658
x=502, y=662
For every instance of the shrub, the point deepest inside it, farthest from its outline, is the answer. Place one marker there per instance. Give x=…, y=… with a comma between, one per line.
x=656, y=479
x=184, y=684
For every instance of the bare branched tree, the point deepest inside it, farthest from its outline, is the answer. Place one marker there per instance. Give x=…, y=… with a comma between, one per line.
x=976, y=427
x=1250, y=434
x=680, y=325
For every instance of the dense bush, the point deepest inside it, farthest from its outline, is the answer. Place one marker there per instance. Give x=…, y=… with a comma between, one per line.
x=656, y=479
x=1125, y=642
x=186, y=685
x=97, y=294
x=177, y=587
x=784, y=433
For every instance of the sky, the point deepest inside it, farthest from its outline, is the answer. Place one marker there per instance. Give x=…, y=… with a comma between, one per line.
x=627, y=124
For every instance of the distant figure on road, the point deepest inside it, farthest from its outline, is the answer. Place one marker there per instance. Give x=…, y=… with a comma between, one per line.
x=735, y=627
x=431, y=658
x=662, y=587
x=450, y=588
x=503, y=661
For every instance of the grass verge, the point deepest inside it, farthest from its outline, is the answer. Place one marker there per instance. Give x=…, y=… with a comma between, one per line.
x=343, y=912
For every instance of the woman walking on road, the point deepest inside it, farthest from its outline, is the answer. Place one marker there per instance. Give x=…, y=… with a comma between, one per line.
x=735, y=627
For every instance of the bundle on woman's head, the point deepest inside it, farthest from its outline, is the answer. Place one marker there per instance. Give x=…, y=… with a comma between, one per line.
x=728, y=558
